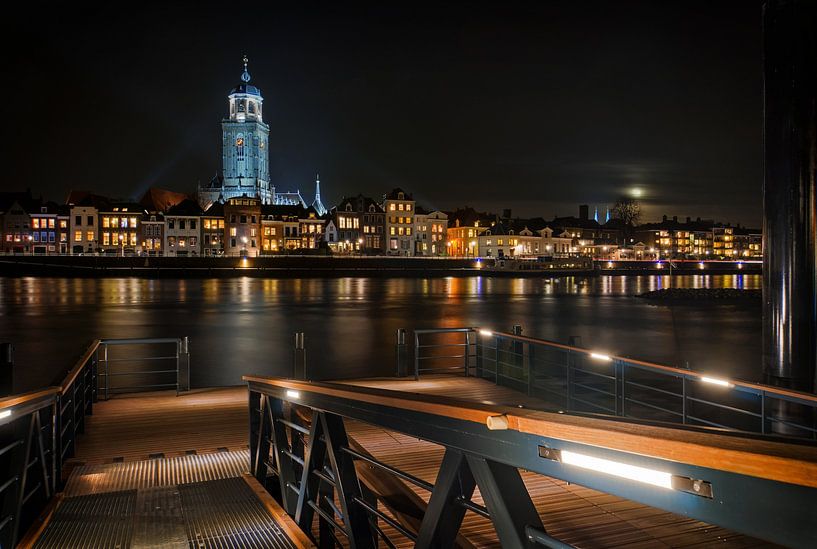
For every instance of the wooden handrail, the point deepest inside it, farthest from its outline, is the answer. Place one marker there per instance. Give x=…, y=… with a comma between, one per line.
x=772, y=460
x=75, y=371
x=23, y=398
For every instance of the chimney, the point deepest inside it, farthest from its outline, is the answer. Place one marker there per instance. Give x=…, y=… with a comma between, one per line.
x=584, y=212
x=675, y=218
x=664, y=218
x=689, y=220
x=506, y=213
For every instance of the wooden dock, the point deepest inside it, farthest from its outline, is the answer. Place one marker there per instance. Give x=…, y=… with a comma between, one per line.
x=128, y=428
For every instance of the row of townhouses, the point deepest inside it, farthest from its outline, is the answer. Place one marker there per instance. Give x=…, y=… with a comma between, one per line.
x=171, y=224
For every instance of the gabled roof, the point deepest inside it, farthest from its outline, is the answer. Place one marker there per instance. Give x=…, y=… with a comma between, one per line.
x=187, y=207
x=24, y=199
x=160, y=200
x=216, y=209
x=359, y=203
x=468, y=217
x=394, y=193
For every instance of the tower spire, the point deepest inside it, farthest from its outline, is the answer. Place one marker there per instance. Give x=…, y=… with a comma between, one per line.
x=317, y=204
x=245, y=76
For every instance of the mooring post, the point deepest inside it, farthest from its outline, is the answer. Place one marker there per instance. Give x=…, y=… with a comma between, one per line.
x=790, y=203
x=402, y=353
x=299, y=368
x=6, y=369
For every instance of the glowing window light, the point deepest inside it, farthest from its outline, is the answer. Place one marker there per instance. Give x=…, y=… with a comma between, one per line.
x=293, y=394
x=623, y=470
x=599, y=356
x=486, y=333
x=715, y=381
x=5, y=414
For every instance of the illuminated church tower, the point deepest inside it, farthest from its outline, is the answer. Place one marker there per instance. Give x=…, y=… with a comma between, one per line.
x=244, y=149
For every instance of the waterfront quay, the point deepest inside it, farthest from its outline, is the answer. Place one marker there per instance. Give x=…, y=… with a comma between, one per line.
x=479, y=439
x=306, y=266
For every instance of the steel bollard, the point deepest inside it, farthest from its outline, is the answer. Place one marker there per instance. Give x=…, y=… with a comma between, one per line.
x=402, y=353
x=299, y=364
x=6, y=369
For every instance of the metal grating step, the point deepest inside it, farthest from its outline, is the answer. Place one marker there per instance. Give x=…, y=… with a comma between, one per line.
x=139, y=475
x=195, y=501
x=95, y=521
x=226, y=513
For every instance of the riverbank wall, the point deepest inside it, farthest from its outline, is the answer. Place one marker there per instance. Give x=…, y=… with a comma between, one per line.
x=294, y=266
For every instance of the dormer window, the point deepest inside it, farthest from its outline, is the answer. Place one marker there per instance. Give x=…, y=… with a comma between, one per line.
x=348, y=207
x=401, y=196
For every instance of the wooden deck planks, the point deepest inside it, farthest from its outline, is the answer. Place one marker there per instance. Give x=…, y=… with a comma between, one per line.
x=132, y=427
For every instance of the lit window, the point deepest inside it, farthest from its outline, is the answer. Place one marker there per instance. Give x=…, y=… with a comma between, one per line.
x=89, y=236
x=35, y=223
x=106, y=239
x=232, y=231
x=78, y=236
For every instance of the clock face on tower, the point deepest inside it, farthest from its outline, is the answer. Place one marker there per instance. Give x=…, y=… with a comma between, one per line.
x=239, y=142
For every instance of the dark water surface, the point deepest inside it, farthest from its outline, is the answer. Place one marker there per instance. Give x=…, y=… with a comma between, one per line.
x=245, y=325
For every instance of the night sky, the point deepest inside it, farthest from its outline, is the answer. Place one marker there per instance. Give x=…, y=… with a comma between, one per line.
x=533, y=106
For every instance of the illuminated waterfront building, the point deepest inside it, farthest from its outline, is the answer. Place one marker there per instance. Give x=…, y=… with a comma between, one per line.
x=358, y=226
x=430, y=232
x=119, y=228
x=399, y=208
x=242, y=222
x=182, y=232
x=213, y=231
x=152, y=231
x=464, y=226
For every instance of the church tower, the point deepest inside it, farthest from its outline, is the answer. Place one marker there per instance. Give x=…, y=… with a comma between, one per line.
x=245, y=144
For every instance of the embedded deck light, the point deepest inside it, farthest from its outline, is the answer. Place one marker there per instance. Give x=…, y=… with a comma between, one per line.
x=293, y=394
x=714, y=381
x=5, y=413
x=599, y=356
x=486, y=333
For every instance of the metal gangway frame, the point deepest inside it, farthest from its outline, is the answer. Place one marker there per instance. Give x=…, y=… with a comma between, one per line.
x=39, y=429
x=300, y=451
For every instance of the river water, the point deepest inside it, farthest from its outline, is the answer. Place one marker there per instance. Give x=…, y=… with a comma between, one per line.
x=246, y=325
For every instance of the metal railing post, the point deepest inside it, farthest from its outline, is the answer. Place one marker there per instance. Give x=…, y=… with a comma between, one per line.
x=95, y=375
x=416, y=356
x=107, y=372
x=6, y=369
x=467, y=352
x=684, y=400
x=517, y=349
x=527, y=360
x=183, y=365
x=569, y=382
x=401, y=353
x=299, y=367
x=479, y=355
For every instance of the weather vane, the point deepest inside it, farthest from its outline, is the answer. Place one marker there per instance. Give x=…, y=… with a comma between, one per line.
x=245, y=76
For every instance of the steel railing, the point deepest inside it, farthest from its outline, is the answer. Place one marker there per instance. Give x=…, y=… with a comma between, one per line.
x=575, y=379
x=38, y=430
x=301, y=452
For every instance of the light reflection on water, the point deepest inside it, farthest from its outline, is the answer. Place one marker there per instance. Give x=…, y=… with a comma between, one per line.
x=245, y=325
